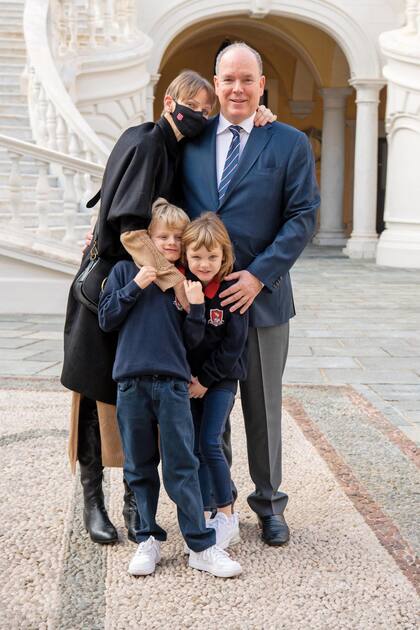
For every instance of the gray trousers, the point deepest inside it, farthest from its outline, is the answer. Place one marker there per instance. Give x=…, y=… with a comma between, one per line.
x=261, y=397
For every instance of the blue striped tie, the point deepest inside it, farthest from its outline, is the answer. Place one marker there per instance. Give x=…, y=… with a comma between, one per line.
x=232, y=161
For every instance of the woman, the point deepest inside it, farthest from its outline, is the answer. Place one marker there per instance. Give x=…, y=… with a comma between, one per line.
x=140, y=169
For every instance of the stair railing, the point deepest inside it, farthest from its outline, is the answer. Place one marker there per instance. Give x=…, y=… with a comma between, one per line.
x=56, y=122
x=80, y=25
x=74, y=170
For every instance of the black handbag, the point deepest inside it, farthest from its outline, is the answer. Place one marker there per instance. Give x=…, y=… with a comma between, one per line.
x=88, y=285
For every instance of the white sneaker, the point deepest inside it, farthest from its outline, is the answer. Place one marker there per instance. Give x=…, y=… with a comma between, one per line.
x=215, y=561
x=186, y=548
x=227, y=529
x=146, y=557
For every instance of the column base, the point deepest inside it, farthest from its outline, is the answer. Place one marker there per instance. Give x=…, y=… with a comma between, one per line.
x=361, y=247
x=399, y=248
x=332, y=239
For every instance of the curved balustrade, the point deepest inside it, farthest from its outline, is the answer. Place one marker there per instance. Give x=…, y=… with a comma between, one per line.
x=88, y=24
x=50, y=182
x=54, y=116
x=81, y=178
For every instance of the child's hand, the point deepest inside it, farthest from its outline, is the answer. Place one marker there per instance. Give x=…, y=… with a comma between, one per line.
x=196, y=389
x=145, y=276
x=194, y=292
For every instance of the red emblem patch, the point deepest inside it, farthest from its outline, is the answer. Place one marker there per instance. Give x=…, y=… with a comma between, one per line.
x=180, y=116
x=216, y=317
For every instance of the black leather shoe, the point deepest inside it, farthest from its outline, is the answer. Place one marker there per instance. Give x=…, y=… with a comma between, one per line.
x=130, y=513
x=275, y=531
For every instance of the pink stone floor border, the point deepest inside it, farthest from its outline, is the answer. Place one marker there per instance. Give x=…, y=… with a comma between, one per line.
x=383, y=527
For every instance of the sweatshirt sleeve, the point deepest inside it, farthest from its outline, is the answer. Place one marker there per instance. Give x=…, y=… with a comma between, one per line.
x=194, y=326
x=117, y=300
x=144, y=252
x=221, y=361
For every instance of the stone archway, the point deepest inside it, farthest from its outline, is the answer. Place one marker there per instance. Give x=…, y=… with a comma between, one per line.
x=359, y=49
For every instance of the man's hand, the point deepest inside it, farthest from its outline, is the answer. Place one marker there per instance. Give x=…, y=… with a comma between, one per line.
x=145, y=276
x=243, y=292
x=88, y=240
x=196, y=389
x=194, y=292
x=264, y=116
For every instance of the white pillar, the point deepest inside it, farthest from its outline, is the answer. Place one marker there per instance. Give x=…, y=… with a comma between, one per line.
x=363, y=240
x=331, y=229
x=399, y=245
x=150, y=95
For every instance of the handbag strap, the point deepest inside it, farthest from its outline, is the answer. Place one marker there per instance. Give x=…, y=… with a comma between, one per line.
x=94, y=253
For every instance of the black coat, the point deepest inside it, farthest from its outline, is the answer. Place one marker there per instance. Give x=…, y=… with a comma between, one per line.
x=140, y=168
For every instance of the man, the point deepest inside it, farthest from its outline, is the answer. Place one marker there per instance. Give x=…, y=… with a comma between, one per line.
x=261, y=182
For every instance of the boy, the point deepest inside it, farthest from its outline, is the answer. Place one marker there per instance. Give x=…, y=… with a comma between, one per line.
x=152, y=373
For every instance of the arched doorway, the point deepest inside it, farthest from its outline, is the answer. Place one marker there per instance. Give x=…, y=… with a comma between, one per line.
x=308, y=68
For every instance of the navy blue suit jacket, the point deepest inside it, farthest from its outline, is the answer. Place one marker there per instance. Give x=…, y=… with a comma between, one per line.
x=269, y=208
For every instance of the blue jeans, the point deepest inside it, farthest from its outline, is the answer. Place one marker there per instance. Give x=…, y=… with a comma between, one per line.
x=143, y=403
x=210, y=414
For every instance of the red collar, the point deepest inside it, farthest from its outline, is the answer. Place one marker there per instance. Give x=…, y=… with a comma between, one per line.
x=212, y=288
x=180, y=268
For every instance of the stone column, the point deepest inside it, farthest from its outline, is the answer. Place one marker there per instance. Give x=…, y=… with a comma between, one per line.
x=399, y=245
x=150, y=95
x=363, y=240
x=331, y=229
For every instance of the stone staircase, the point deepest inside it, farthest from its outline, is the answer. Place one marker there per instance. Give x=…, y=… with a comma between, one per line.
x=51, y=158
x=14, y=121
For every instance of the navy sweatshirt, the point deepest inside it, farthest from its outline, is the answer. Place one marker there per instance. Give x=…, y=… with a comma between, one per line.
x=219, y=360
x=153, y=329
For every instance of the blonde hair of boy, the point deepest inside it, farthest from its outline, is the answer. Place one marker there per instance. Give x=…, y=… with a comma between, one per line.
x=209, y=231
x=187, y=85
x=165, y=212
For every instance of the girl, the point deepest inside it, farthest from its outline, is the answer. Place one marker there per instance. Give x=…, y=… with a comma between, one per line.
x=217, y=364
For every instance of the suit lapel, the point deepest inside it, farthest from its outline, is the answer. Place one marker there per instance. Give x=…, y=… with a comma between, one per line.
x=208, y=145
x=257, y=140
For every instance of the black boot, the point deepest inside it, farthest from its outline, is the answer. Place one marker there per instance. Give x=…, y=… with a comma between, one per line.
x=130, y=513
x=95, y=517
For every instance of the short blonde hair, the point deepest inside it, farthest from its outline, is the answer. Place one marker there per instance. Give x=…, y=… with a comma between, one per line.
x=172, y=216
x=187, y=85
x=209, y=231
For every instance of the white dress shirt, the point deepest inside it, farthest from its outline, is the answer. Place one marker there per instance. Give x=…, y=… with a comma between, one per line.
x=224, y=138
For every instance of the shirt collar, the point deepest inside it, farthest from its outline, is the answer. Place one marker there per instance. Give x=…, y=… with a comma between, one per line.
x=246, y=124
x=212, y=288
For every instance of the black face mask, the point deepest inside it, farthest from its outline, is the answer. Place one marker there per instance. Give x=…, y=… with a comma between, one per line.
x=187, y=121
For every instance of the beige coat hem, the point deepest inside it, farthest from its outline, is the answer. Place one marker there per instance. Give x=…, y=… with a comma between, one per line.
x=112, y=454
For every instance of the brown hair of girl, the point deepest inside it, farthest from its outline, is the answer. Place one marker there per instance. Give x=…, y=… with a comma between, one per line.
x=208, y=231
